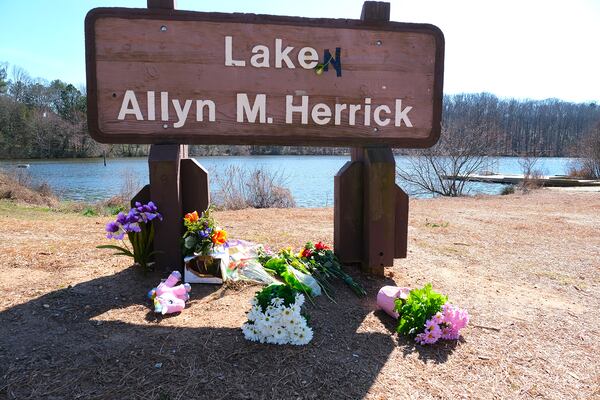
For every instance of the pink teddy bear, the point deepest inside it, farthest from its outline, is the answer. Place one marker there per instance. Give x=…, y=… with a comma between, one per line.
x=168, y=297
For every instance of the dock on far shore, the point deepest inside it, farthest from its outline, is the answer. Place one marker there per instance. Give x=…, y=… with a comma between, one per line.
x=515, y=179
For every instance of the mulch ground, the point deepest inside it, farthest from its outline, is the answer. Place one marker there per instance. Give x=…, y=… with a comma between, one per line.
x=75, y=323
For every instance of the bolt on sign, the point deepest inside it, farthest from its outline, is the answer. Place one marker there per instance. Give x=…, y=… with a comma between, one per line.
x=209, y=78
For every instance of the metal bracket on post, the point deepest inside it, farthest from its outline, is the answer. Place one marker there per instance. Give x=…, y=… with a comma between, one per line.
x=370, y=210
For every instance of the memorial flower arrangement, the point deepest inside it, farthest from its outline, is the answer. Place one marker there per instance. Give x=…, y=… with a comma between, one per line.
x=428, y=316
x=310, y=271
x=138, y=225
x=290, y=270
x=276, y=317
x=202, y=234
x=324, y=261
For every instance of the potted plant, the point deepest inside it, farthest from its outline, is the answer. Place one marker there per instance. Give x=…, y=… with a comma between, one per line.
x=203, y=248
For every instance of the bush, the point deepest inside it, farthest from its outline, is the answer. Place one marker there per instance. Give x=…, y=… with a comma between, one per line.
x=18, y=187
x=45, y=190
x=509, y=189
x=532, y=180
x=257, y=188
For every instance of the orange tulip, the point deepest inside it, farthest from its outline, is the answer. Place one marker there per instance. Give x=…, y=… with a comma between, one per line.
x=191, y=217
x=219, y=237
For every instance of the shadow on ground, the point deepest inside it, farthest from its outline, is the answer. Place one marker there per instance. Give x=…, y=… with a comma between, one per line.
x=51, y=347
x=437, y=353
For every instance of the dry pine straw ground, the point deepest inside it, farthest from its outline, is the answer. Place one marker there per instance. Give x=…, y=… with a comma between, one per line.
x=74, y=322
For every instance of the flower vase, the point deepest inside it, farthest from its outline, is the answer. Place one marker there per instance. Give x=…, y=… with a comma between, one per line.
x=207, y=265
x=206, y=268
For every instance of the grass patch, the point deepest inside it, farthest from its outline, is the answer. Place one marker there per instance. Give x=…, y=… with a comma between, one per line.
x=436, y=224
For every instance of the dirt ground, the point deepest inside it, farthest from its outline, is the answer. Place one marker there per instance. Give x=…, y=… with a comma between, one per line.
x=74, y=321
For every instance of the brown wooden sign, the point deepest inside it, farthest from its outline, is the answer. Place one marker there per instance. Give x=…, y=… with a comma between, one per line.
x=163, y=76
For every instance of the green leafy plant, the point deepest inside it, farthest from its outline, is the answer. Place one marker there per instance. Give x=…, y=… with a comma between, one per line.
x=284, y=292
x=89, y=212
x=441, y=224
x=419, y=306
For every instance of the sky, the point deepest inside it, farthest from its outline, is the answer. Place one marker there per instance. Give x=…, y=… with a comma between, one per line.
x=521, y=49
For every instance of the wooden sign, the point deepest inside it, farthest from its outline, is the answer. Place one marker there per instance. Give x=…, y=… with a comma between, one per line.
x=159, y=76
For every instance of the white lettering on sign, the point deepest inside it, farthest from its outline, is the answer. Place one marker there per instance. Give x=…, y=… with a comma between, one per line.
x=290, y=108
x=260, y=53
x=402, y=115
x=229, y=61
x=128, y=99
x=244, y=108
x=297, y=109
x=182, y=113
x=200, y=104
x=282, y=55
x=308, y=57
x=151, y=113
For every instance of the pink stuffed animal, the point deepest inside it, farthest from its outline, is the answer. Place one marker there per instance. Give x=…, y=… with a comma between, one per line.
x=168, y=303
x=168, y=297
x=386, y=298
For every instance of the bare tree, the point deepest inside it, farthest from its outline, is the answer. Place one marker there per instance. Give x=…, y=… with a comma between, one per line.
x=531, y=175
x=588, y=166
x=445, y=168
x=466, y=142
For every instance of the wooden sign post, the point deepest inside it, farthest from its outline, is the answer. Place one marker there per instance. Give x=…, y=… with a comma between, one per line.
x=171, y=78
x=370, y=210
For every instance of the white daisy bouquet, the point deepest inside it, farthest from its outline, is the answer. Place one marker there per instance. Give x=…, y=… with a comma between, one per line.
x=276, y=317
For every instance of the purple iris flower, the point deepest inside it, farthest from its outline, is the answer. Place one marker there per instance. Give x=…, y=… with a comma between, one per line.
x=121, y=218
x=132, y=227
x=130, y=222
x=112, y=227
x=151, y=215
x=133, y=216
x=119, y=236
x=152, y=206
x=203, y=234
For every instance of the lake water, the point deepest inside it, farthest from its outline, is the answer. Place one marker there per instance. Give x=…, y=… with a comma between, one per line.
x=310, y=178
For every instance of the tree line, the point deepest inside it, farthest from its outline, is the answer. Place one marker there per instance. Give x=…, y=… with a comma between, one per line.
x=548, y=127
x=42, y=119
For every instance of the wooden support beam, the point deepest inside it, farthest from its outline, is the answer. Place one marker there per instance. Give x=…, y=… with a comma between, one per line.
x=378, y=209
x=161, y=4
x=195, y=191
x=375, y=12
x=401, y=223
x=347, y=210
x=165, y=192
x=143, y=196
